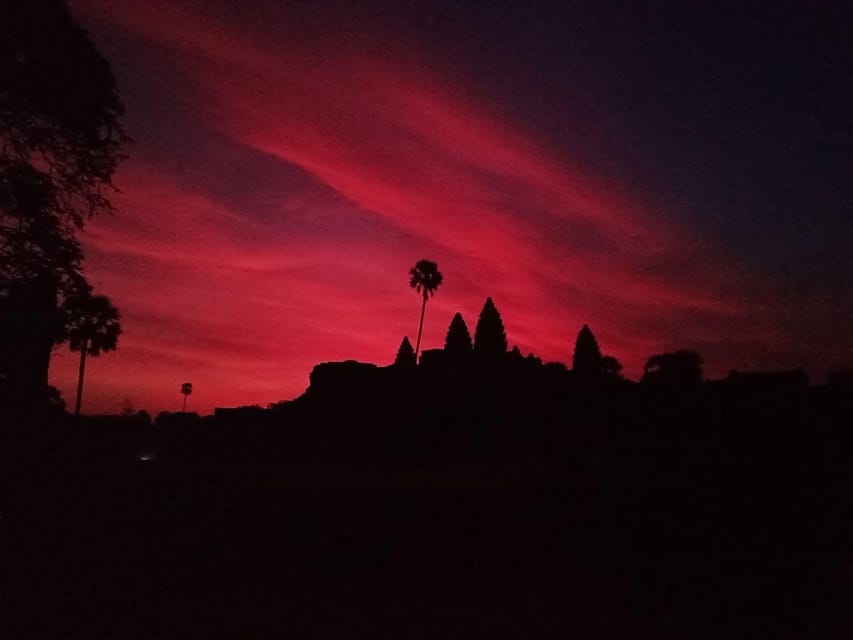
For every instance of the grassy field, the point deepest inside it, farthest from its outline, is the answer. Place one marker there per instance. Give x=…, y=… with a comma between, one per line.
x=108, y=536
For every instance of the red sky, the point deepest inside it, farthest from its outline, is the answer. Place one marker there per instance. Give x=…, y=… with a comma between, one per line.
x=285, y=177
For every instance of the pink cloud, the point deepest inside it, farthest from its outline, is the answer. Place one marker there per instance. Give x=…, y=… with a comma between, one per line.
x=244, y=306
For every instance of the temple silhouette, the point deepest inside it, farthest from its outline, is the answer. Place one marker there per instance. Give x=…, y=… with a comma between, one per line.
x=479, y=482
x=469, y=491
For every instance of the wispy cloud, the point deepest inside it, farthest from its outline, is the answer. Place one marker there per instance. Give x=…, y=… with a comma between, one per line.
x=411, y=166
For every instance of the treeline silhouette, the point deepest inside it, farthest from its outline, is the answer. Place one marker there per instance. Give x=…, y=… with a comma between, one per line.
x=61, y=140
x=477, y=492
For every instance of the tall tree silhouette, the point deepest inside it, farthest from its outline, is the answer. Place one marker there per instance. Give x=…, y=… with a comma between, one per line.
x=458, y=340
x=490, y=336
x=30, y=322
x=186, y=391
x=586, y=361
x=405, y=354
x=94, y=327
x=60, y=142
x=59, y=107
x=425, y=278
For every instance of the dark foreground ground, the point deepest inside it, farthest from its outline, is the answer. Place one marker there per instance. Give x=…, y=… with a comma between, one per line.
x=649, y=535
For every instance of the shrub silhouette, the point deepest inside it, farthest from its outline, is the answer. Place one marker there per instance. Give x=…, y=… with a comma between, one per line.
x=779, y=381
x=840, y=379
x=405, y=354
x=54, y=400
x=490, y=336
x=458, y=341
x=677, y=369
x=586, y=361
x=611, y=367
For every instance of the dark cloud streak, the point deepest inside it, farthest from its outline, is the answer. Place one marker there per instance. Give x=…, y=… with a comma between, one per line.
x=674, y=178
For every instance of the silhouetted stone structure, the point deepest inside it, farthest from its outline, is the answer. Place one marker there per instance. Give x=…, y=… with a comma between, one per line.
x=405, y=354
x=490, y=335
x=247, y=413
x=343, y=378
x=586, y=361
x=433, y=358
x=458, y=344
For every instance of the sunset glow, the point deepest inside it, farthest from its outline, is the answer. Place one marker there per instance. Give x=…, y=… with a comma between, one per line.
x=282, y=184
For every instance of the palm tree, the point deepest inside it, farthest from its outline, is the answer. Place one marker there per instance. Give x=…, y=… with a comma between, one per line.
x=425, y=279
x=93, y=327
x=186, y=389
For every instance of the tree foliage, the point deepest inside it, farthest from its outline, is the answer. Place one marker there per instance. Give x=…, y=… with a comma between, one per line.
x=425, y=278
x=677, y=369
x=93, y=324
x=59, y=108
x=611, y=367
x=490, y=336
x=60, y=143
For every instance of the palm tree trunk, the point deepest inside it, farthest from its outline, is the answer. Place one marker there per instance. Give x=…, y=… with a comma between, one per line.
x=184, y=410
x=420, y=329
x=80, y=377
